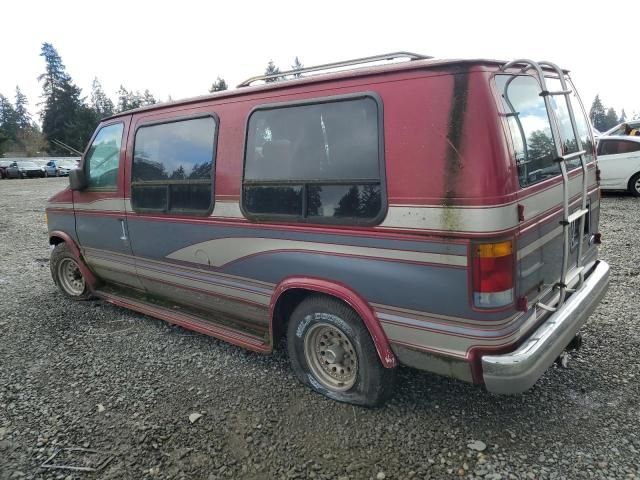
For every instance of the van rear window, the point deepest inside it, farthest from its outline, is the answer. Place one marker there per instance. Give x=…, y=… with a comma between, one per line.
x=172, y=166
x=530, y=127
x=315, y=162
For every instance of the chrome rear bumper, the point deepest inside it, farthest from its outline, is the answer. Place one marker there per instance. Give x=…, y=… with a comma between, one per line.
x=517, y=371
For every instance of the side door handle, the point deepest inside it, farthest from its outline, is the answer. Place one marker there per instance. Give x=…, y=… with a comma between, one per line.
x=124, y=237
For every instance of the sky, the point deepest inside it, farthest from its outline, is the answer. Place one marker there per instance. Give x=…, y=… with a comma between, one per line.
x=178, y=49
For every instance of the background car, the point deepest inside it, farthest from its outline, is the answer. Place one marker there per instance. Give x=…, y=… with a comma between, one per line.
x=23, y=169
x=59, y=168
x=619, y=163
x=618, y=129
x=3, y=168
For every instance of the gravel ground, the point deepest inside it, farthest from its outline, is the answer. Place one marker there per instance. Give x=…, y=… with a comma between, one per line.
x=92, y=375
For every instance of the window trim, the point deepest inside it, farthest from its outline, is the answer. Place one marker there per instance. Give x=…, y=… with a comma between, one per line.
x=212, y=176
x=384, y=204
x=85, y=163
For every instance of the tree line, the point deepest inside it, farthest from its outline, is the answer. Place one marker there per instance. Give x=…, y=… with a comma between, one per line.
x=604, y=119
x=69, y=118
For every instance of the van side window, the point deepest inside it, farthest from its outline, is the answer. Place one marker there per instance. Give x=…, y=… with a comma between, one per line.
x=317, y=162
x=103, y=159
x=172, y=167
x=530, y=127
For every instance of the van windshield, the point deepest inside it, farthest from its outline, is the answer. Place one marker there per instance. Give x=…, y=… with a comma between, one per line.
x=530, y=127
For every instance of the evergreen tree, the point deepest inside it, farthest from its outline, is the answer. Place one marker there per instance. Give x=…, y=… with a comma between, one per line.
x=148, y=98
x=123, y=99
x=128, y=100
x=597, y=114
x=219, y=85
x=297, y=65
x=23, y=118
x=4, y=139
x=349, y=204
x=611, y=119
x=64, y=115
x=8, y=122
x=178, y=174
x=623, y=117
x=100, y=103
x=136, y=100
x=272, y=70
x=541, y=148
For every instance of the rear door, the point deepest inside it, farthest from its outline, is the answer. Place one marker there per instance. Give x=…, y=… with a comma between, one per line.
x=101, y=223
x=540, y=241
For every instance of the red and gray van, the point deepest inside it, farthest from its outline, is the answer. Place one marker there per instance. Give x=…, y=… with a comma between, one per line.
x=441, y=214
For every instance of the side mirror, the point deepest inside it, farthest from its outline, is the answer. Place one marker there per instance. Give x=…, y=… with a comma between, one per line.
x=77, y=179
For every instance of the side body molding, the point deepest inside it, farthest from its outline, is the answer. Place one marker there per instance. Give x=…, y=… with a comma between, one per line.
x=88, y=275
x=351, y=298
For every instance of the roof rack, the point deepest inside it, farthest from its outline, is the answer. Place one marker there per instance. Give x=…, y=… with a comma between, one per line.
x=334, y=65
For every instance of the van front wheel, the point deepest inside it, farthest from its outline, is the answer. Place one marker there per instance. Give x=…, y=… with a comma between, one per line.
x=66, y=273
x=332, y=352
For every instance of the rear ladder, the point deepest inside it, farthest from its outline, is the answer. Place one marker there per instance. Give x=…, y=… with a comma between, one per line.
x=562, y=159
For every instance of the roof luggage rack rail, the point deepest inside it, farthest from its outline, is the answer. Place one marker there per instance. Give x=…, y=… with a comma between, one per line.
x=561, y=158
x=335, y=65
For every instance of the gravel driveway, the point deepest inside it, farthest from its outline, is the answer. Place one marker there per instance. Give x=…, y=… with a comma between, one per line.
x=95, y=376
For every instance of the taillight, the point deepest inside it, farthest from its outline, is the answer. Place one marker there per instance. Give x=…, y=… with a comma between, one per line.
x=492, y=274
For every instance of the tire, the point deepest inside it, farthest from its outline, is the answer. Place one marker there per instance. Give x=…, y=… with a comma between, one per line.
x=21, y=176
x=634, y=185
x=66, y=274
x=46, y=174
x=321, y=321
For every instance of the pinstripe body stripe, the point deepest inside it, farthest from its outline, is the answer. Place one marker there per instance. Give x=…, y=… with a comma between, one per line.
x=219, y=252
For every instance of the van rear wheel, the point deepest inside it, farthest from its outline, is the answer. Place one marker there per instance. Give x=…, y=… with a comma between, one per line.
x=634, y=185
x=332, y=352
x=66, y=273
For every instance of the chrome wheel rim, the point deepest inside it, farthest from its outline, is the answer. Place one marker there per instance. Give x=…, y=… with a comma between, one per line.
x=70, y=277
x=331, y=357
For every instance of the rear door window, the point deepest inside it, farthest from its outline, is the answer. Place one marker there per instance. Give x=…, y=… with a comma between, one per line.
x=318, y=162
x=530, y=127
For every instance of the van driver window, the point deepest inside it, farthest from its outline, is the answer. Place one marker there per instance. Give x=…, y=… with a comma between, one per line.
x=316, y=162
x=103, y=158
x=172, y=166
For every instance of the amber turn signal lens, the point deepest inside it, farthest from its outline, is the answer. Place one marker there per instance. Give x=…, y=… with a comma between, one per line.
x=494, y=250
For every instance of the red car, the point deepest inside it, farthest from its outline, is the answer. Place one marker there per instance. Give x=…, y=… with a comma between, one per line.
x=3, y=168
x=441, y=214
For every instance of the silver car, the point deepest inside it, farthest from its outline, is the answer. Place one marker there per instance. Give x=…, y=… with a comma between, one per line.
x=58, y=168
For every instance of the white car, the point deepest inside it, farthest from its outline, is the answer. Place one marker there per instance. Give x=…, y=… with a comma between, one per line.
x=619, y=130
x=619, y=163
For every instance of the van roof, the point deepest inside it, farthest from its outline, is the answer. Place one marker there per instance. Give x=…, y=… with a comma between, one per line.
x=428, y=63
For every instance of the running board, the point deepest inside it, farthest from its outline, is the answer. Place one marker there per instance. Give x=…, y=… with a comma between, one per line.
x=188, y=321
